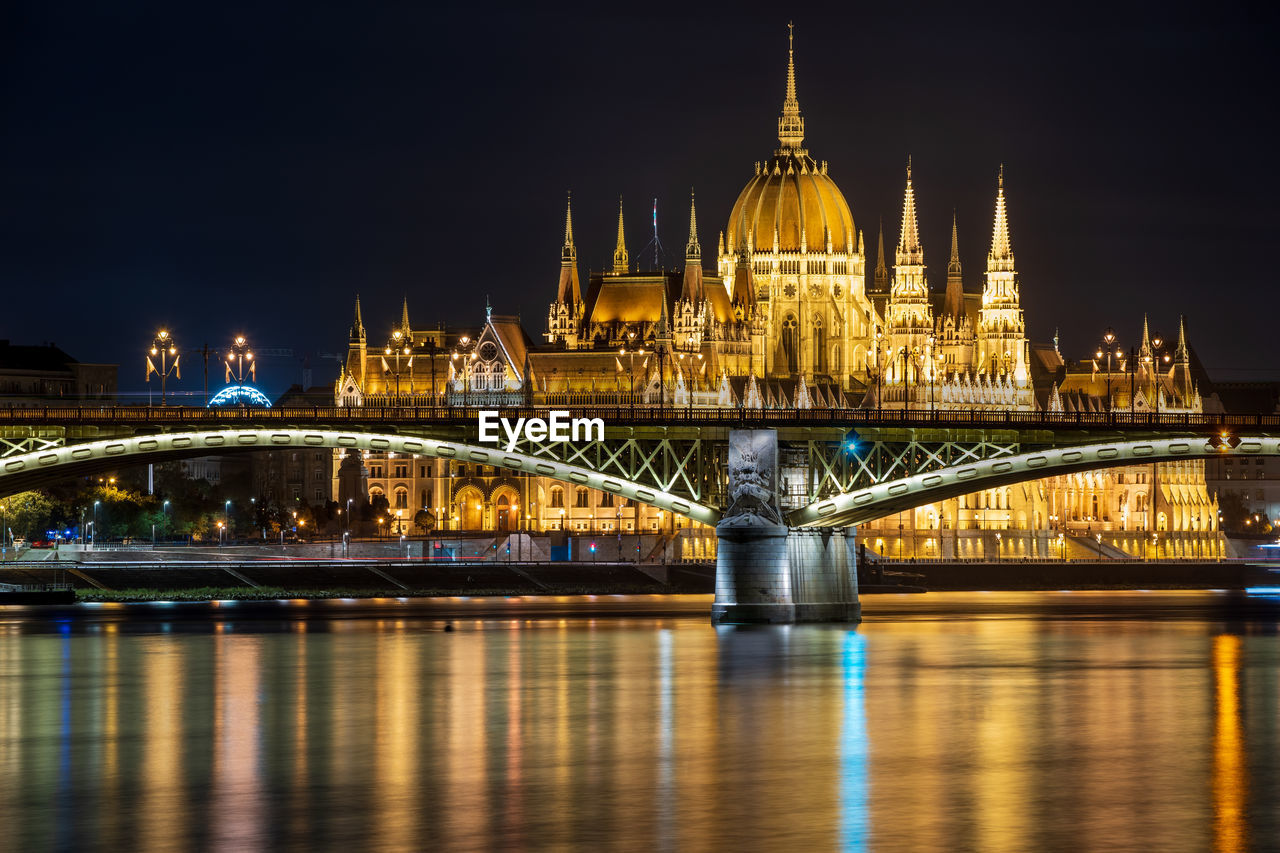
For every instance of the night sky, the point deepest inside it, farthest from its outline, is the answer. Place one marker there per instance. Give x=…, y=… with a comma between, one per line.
x=218, y=168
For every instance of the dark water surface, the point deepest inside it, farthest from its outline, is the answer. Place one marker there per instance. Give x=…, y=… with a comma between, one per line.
x=951, y=721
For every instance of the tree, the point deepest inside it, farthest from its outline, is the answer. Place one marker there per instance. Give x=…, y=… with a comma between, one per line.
x=423, y=520
x=1233, y=511
x=29, y=514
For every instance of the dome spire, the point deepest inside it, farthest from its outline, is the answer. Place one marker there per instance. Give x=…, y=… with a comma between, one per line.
x=621, y=260
x=790, y=123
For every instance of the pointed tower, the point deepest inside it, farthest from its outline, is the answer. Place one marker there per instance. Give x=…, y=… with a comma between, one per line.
x=564, y=317
x=692, y=259
x=691, y=312
x=621, y=260
x=1001, y=333
x=356, y=348
x=406, y=330
x=880, y=281
x=908, y=315
x=953, y=305
x=569, y=291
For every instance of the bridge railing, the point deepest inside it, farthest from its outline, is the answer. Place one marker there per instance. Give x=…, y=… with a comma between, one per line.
x=626, y=414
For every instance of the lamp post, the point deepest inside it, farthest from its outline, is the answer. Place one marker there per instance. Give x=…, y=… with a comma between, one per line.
x=396, y=347
x=162, y=350
x=226, y=515
x=93, y=539
x=240, y=361
x=1108, y=338
x=879, y=383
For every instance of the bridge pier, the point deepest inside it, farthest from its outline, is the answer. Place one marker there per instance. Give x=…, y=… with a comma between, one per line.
x=767, y=573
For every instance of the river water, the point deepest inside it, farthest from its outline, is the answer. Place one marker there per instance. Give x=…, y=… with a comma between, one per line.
x=949, y=721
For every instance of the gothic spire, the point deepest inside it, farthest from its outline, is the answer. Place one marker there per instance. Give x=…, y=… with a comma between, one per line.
x=405, y=328
x=357, y=328
x=692, y=259
x=744, y=289
x=953, y=305
x=790, y=123
x=909, y=251
x=693, y=249
x=881, y=277
x=570, y=252
x=621, y=260
x=1182, y=353
x=569, y=291
x=1001, y=249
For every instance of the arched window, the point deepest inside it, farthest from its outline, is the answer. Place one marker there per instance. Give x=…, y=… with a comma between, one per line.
x=791, y=343
x=581, y=498
x=557, y=496
x=402, y=498
x=819, y=345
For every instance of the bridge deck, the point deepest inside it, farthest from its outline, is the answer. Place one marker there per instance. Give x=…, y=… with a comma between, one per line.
x=196, y=417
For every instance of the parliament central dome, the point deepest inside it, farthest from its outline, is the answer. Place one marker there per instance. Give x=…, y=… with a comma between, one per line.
x=791, y=201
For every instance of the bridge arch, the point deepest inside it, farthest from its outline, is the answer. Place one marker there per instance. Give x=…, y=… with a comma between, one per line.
x=29, y=470
x=882, y=499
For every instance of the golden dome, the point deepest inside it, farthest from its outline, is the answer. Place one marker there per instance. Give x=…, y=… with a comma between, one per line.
x=791, y=199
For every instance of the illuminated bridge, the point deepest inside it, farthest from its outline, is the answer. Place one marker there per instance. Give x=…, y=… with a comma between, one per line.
x=857, y=464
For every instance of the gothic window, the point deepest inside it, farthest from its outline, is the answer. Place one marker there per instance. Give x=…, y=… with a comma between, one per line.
x=791, y=343
x=819, y=345
x=402, y=469
x=581, y=498
x=402, y=498
x=557, y=497
x=606, y=499
x=835, y=360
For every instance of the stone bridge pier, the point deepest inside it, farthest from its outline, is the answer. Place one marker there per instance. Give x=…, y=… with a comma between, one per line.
x=767, y=573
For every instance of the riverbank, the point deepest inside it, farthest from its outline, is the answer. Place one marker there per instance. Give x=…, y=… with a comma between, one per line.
x=264, y=580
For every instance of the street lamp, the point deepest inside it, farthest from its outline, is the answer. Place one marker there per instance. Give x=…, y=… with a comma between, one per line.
x=1108, y=338
x=93, y=537
x=240, y=361
x=226, y=514
x=397, y=347
x=162, y=350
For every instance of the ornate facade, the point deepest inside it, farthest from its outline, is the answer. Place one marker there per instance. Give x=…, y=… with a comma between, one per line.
x=786, y=318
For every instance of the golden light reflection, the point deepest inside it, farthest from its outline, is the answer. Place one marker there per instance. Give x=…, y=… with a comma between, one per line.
x=1230, y=782
x=161, y=797
x=237, y=731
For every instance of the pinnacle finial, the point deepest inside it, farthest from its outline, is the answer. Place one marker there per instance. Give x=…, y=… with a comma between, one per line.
x=569, y=252
x=1182, y=354
x=1001, y=248
x=790, y=123
x=621, y=260
x=357, y=327
x=909, y=242
x=880, y=265
x=954, y=265
x=404, y=316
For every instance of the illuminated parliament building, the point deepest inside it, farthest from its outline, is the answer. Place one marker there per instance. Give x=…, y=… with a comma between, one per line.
x=788, y=313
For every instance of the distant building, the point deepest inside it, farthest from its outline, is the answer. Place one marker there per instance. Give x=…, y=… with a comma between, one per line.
x=293, y=476
x=40, y=375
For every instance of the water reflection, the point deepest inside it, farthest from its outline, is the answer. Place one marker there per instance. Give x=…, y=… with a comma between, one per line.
x=1019, y=732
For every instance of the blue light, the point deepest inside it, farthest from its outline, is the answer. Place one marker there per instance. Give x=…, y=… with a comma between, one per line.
x=1263, y=590
x=237, y=395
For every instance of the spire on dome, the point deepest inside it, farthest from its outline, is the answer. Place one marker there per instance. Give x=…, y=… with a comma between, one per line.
x=790, y=123
x=1001, y=249
x=909, y=251
x=693, y=249
x=569, y=252
x=621, y=260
